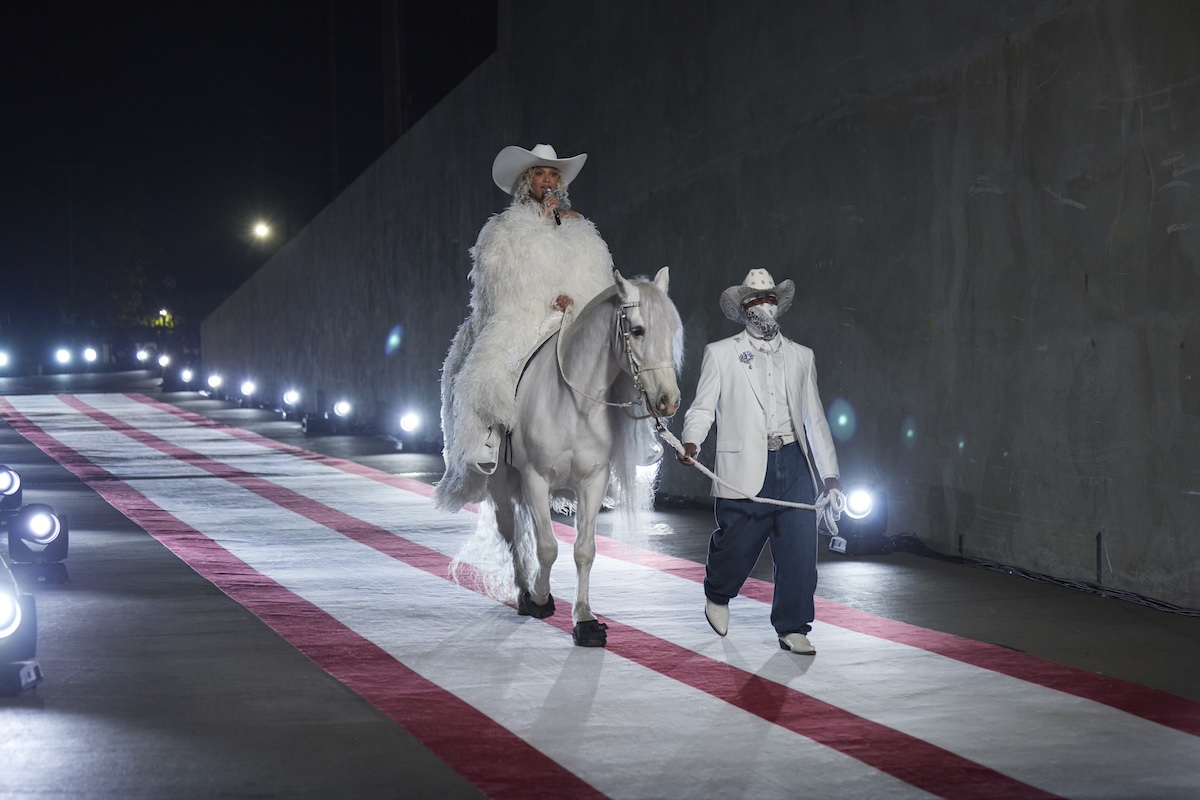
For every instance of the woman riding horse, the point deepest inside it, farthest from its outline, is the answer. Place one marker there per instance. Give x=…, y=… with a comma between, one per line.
x=532, y=264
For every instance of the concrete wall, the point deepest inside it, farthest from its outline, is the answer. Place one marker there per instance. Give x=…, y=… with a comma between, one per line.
x=988, y=209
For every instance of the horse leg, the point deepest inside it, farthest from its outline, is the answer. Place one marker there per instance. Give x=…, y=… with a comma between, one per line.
x=588, y=632
x=536, y=493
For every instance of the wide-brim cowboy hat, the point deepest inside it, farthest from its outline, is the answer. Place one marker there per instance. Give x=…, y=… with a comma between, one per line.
x=512, y=161
x=758, y=282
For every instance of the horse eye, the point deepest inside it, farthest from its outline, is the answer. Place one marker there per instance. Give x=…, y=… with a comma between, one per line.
x=639, y=332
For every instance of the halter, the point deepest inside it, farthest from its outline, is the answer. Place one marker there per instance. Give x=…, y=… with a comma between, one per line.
x=636, y=368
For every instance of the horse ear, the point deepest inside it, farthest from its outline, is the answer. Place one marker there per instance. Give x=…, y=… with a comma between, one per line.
x=662, y=279
x=624, y=287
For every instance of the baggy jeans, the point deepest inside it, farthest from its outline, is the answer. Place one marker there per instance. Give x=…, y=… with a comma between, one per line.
x=743, y=529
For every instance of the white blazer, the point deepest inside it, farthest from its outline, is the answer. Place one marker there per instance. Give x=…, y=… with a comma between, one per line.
x=729, y=393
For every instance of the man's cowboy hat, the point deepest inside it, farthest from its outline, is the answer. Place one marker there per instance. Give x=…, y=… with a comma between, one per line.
x=758, y=282
x=513, y=160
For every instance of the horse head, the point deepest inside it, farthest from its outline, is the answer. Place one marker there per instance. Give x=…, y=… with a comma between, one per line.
x=649, y=340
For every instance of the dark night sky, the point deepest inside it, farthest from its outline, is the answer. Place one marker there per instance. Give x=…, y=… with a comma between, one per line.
x=140, y=141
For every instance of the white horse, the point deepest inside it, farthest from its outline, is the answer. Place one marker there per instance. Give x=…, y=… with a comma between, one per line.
x=574, y=427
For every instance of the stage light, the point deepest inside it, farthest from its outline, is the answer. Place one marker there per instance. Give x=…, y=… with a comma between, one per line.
x=10, y=490
x=143, y=356
x=862, y=530
x=36, y=535
x=342, y=408
x=410, y=422
x=248, y=388
x=291, y=398
x=62, y=356
x=10, y=613
x=3, y=359
x=164, y=360
x=859, y=503
x=19, y=672
x=187, y=375
x=89, y=355
x=214, y=381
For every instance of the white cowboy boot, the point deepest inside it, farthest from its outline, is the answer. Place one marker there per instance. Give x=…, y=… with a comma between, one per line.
x=488, y=456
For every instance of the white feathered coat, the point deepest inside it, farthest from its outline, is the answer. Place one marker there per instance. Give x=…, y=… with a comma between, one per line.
x=522, y=262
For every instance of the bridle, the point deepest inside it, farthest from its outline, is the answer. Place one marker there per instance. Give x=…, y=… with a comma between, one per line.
x=624, y=330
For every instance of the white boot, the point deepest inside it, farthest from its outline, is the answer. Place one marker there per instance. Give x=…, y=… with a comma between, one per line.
x=487, y=457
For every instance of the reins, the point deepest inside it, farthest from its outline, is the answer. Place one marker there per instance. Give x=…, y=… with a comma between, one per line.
x=636, y=368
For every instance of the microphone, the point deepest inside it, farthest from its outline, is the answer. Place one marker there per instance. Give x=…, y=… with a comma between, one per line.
x=546, y=195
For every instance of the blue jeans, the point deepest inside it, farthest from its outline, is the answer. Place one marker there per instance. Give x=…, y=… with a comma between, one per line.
x=743, y=528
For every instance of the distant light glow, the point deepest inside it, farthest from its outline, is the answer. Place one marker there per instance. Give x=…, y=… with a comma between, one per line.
x=248, y=388
x=410, y=422
x=62, y=356
x=842, y=420
x=214, y=381
x=3, y=359
x=262, y=230
x=291, y=397
x=164, y=360
x=89, y=355
x=187, y=375
x=162, y=312
x=342, y=408
x=142, y=355
x=395, y=337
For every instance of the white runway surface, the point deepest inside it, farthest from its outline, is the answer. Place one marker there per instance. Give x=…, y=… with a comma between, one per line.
x=350, y=565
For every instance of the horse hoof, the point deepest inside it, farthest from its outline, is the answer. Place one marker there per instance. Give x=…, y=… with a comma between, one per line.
x=590, y=633
x=527, y=608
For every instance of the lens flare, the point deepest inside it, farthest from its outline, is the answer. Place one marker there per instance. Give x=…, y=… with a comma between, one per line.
x=394, y=338
x=908, y=433
x=842, y=421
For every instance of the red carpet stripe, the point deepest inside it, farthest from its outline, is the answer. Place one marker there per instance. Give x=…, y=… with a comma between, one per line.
x=917, y=762
x=1150, y=704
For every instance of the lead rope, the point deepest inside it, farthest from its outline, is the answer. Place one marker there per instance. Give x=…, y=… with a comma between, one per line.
x=829, y=505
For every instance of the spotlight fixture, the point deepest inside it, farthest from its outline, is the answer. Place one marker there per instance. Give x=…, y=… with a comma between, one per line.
x=89, y=355
x=862, y=530
x=214, y=381
x=342, y=408
x=164, y=360
x=143, y=355
x=186, y=375
x=36, y=535
x=62, y=356
x=248, y=388
x=410, y=422
x=10, y=491
x=19, y=672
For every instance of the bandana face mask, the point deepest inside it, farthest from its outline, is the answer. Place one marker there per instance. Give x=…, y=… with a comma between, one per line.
x=760, y=321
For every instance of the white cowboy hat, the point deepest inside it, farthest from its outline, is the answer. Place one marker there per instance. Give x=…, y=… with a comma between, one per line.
x=512, y=161
x=758, y=282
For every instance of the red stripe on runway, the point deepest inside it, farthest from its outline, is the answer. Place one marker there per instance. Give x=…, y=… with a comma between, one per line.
x=1142, y=701
x=915, y=761
x=498, y=762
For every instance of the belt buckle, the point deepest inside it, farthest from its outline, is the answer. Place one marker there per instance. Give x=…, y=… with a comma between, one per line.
x=774, y=442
